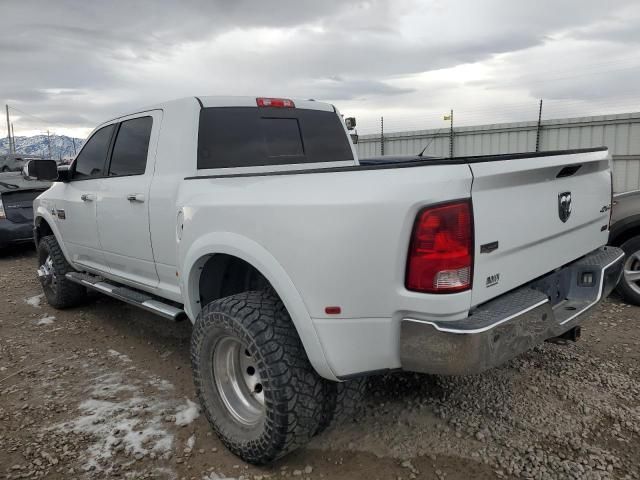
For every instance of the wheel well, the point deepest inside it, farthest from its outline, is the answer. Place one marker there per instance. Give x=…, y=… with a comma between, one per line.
x=223, y=275
x=42, y=229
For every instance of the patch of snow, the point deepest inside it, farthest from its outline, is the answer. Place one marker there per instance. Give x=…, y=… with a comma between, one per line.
x=191, y=442
x=163, y=444
x=125, y=415
x=35, y=300
x=188, y=414
x=120, y=418
x=215, y=476
x=160, y=384
x=46, y=320
x=120, y=356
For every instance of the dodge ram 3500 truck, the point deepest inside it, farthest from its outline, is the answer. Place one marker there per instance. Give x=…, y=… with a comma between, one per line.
x=304, y=269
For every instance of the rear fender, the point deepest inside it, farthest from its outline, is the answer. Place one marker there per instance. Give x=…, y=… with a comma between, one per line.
x=194, y=257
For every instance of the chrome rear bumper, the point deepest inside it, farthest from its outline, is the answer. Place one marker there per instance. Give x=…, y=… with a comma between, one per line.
x=512, y=323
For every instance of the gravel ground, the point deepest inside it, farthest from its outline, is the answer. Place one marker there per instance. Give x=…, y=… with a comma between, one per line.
x=105, y=391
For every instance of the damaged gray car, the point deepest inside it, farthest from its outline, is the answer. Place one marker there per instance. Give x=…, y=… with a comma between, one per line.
x=17, y=193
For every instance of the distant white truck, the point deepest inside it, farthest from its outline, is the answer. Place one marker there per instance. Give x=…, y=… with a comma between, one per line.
x=304, y=269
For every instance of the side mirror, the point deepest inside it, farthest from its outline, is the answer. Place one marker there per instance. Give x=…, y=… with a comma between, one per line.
x=64, y=173
x=350, y=122
x=354, y=138
x=41, y=170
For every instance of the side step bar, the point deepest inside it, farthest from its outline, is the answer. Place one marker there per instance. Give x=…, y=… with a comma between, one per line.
x=129, y=295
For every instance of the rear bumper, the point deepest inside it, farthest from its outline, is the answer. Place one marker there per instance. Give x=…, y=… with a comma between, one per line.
x=13, y=233
x=512, y=323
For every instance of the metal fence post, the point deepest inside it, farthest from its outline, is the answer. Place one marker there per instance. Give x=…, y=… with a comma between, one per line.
x=539, y=127
x=381, y=135
x=451, y=135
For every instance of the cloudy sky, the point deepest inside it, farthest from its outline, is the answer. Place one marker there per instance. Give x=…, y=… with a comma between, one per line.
x=71, y=64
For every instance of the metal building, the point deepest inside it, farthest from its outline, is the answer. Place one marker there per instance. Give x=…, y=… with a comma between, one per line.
x=620, y=132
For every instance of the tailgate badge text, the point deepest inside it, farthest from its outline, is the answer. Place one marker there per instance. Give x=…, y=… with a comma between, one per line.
x=493, y=280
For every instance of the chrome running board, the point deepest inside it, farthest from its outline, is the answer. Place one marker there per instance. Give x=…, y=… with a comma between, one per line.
x=129, y=295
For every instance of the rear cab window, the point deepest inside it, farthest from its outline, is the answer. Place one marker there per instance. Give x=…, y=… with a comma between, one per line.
x=230, y=137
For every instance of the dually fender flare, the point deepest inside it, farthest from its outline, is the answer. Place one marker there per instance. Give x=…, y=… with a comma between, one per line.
x=195, y=255
x=42, y=214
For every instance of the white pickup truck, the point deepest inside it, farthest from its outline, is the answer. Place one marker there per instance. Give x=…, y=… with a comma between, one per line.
x=304, y=269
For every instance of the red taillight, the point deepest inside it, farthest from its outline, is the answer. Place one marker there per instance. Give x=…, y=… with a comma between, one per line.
x=275, y=102
x=441, y=250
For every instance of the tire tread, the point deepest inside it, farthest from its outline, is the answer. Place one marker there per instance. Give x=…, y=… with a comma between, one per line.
x=293, y=417
x=67, y=294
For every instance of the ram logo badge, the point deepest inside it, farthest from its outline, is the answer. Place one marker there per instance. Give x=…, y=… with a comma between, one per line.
x=564, y=206
x=493, y=280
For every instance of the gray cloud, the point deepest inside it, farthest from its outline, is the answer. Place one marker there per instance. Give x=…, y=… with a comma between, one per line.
x=76, y=63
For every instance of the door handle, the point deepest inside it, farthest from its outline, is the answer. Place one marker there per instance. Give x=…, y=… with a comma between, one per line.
x=87, y=197
x=135, y=197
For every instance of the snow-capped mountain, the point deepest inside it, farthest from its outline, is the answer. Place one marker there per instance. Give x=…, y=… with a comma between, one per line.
x=61, y=146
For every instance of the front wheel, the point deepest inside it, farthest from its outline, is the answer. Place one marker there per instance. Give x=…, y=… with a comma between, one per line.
x=253, y=378
x=629, y=286
x=52, y=268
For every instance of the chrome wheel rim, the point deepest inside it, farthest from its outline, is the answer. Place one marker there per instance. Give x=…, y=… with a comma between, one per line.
x=238, y=381
x=47, y=274
x=632, y=272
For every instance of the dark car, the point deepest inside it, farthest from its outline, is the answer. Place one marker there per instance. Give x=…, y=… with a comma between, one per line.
x=16, y=207
x=625, y=233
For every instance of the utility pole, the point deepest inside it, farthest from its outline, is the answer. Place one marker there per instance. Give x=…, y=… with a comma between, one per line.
x=9, y=129
x=539, y=127
x=49, y=143
x=381, y=135
x=13, y=138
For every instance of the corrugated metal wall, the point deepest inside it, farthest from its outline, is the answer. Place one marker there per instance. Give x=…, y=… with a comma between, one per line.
x=621, y=133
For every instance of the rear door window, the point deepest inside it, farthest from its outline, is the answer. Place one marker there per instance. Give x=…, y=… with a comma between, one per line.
x=130, y=149
x=248, y=136
x=91, y=160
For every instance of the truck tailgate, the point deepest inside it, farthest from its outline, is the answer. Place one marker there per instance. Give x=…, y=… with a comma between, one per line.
x=533, y=215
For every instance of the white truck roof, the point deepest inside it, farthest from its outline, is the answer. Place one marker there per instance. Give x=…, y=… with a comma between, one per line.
x=223, y=101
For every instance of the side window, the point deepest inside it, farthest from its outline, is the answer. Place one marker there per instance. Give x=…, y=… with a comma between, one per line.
x=90, y=161
x=130, y=149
